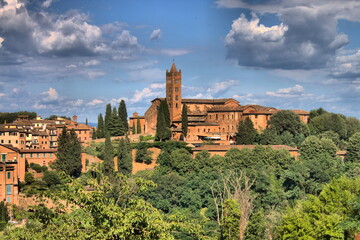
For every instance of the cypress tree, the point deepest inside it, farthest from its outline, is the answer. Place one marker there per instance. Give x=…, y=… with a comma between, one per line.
x=108, y=154
x=133, y=128
x=4, y=215
x=86, y=122
x=108, y=116
x=123, y=116
x=115, y=125
x=163, y=122
x=100, y=128
x=94, y=135
x=124, y=157
x=138, y=127
x=246, y=133
x=184, y=121
x=68, y=157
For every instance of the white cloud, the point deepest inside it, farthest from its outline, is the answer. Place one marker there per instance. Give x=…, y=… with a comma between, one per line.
x=2, y=94
x=95, y=74
x=95, y=102
x=174, y=52
x=1, y=41
x=93, y=62
x=125, y=40
x=220, y=88
x=156, y=34
x=158, y=85
x=46, y=3
x=50, y=95
x=291, y=92
x=300, y=41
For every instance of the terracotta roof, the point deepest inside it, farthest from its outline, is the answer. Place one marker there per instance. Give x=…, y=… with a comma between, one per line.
x=203, y=124
x=38, y=150
x=221, y=148
x=225, y=109
x=42, y=121
x=300, y=112
x=11, y=147
x=206, y=101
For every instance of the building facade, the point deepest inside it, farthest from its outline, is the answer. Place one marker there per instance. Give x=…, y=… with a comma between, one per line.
x=208, y=119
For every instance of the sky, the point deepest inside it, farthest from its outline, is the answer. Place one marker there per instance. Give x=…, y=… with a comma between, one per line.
x=69, y=57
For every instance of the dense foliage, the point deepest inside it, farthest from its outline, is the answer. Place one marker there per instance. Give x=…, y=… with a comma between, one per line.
x=163, y=122
x=10, y=117
x=68, y=156
x=246, y=133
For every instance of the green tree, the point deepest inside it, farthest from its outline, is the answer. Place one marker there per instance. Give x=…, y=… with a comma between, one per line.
x=4, y=215
x=329, y=122
x=143, y=155
x=68, y=157
x=86, y=122
x=133, y=128
x=108, y=156
x=163, y=131
x=101, y=127
x=231, y=220
x=108, y=118
x=286, y=120
x=123, y=116
x=184, y=121
x=124, y=157
x=246, y=133
x=138, y=126
x=93, y=135
x=115, y=125
x=353, y=149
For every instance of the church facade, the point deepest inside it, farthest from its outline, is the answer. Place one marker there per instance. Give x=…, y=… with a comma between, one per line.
x=208, y=119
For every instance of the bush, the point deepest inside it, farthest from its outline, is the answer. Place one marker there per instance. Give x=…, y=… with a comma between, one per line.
x=38, y=168
x=29, y=178
x=51, y=178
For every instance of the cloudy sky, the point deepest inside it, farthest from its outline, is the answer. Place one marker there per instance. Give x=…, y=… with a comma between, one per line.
x=70, y=57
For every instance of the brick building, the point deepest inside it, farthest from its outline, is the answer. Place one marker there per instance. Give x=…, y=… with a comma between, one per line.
x=213, y=119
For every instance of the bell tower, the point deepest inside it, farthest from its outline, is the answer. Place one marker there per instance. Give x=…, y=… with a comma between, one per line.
x=173, y=92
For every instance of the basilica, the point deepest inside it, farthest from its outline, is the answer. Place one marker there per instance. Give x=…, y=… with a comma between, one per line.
x=208, y=119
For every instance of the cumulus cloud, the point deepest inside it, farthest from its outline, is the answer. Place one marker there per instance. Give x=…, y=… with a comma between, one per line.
x=1, y=41
x=155, y=35
x=46, y=3
x=347, y=67
x=51, y=95
x=220, y=88
x=155, y=90
x=305, y=38
x=93, y=62
x=94, y=102
x=291, y=92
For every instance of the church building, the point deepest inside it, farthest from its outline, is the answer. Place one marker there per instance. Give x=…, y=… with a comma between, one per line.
x=208, y=119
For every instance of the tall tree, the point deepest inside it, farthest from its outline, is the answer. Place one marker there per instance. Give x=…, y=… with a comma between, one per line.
x=163, y=131
x=124, y=157
x=108, y=154
x=4, y=215
x=246, y=133
x=101, y=128
x=69, y=153
x=123, y=115
x=86, y=122
x=108, y=117
x=138, y=126
x=184, y=121
x=286, y=120
x=94, y=135
x=133, y=128
x=353, y=149
x=115, y=126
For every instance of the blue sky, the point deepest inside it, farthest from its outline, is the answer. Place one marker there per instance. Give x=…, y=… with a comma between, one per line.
x=70, y=57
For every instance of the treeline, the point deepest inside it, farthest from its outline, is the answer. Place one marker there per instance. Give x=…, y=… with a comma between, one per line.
x=285, y=127
x=10, y=117
x=114, y=123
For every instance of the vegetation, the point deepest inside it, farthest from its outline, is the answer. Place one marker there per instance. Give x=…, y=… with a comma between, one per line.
x=246, y=133
x=124, y=157
x=108, y=154
x=184, y=121
x=163, y=122
x=10, y=117
x=68, y=157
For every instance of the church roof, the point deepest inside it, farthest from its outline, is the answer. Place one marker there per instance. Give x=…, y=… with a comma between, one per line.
x=173, y=68
x=200, y=100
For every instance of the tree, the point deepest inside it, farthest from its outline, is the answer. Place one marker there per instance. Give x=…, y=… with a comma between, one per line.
x=4, y=215
x=94, y=135
x=108, y=118
x=329, y=122
x=285, y=120
x=184, y=121
x=101, y=127
x=124, y=157
x=143, y=155
x=163, y=131
x=86, y=122
x=138, y=126
x=69, y=153
x=246, y=133
x=353, y=149
x=133, y=128
x=231, y=221
x=115, y=125
x=108, y=156
x=123, y=116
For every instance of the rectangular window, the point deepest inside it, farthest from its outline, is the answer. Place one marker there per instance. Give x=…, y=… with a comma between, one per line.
x=2, y=141
x=8, y=199
x=37, y=155
x=50, y=154
x=8, y=175
x=31, y=155
x=8, y=189
x=21, y=155
x=9, y=141
x=16, y=141
x=3, y=157
x=44, y=154
x=176, y=89
x=176, y=97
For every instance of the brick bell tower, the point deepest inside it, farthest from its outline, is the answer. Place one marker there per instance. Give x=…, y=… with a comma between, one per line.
x=173, y=92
